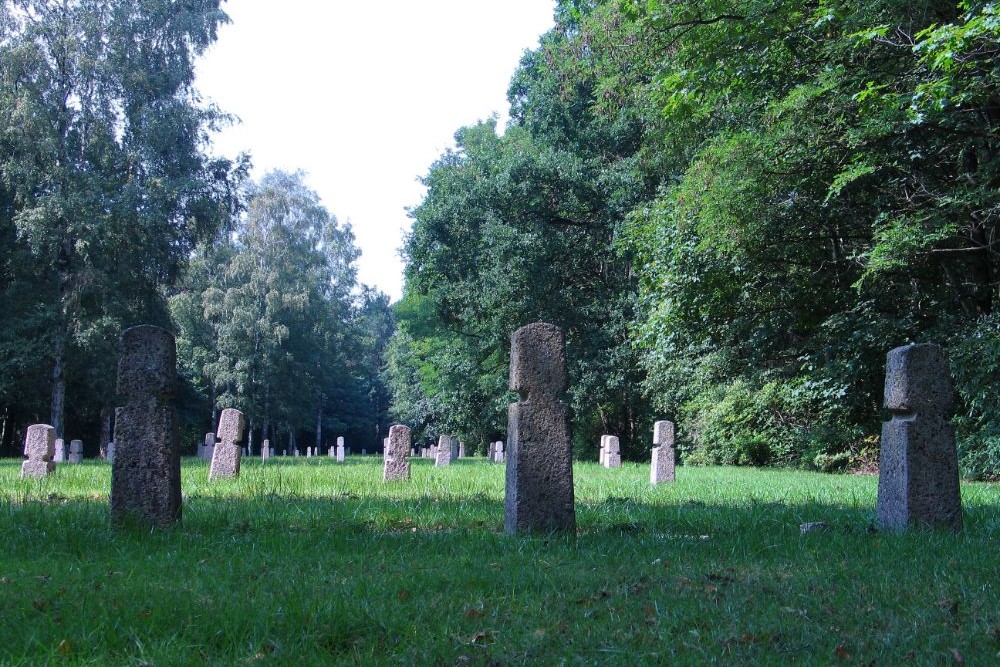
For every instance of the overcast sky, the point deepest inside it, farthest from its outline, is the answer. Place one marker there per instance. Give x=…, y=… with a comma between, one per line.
x=364, y=96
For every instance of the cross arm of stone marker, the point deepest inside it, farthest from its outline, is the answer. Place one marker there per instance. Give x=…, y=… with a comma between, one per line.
x=231, y=426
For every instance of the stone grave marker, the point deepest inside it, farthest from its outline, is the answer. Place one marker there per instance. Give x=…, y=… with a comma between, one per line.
x=341, y=453
x=539, y=490
x=397, y=466
x=60, y=454
x=146, y=475
x=40, y=448
x=498, y=453
x=612, y=451
x=226, y=461
x=664, y=456
x=76, y=451
x=111, y=452
x=444, y=451
x=918, y=483
x=208, y=449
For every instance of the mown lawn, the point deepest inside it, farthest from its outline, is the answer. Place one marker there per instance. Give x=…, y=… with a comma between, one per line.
x=307, y=562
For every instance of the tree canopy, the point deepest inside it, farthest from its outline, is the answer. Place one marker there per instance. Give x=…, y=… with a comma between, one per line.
x=735, y=209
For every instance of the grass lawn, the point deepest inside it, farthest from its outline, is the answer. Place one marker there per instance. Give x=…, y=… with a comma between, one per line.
x=307, y=562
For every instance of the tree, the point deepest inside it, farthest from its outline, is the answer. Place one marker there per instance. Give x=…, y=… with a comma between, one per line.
x=102, y=139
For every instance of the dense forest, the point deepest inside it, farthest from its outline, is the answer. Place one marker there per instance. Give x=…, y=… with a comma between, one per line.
x=112, y=215
x=733, y=208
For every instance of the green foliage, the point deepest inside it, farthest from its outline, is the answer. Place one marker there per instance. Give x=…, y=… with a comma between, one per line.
x=269, y=322
x=104, y=183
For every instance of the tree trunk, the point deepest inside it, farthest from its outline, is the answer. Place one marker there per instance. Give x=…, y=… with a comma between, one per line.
x=58, y=382
x=319, y=424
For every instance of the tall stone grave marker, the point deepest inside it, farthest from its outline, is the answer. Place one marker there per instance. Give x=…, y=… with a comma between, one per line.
x=498, y=456
x=40, y=448
x=111, y=452
x=340, y=449
x=664, y=457
x=265, y=451
x=146, y=475
x=539, y=494
x=226, y=460
x=918, y=460
x=612, y=451
x=76, y=451
x=397, y=466
x=444, y=451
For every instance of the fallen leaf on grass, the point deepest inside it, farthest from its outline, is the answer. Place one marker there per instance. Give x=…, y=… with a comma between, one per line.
x=949, y=606
x=266, y=651
x=39, y=604
x=483, y=638
x=402, y=595
x=472, y=612
x=841, y=653
x=64, y=648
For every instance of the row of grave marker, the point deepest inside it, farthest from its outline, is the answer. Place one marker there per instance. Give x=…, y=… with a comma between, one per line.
x=918, y=481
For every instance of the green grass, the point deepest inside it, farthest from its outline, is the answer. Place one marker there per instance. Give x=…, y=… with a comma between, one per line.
x=304, y=562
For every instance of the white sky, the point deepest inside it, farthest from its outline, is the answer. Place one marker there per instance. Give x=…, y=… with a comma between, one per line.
x=364, y=96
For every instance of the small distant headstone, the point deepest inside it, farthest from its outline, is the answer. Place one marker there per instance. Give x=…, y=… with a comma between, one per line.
x=397, y=467
x=918, y=483
x=612, y=451
x=444, y=451
x=111, y=452
x=284, y=452
x=341, y=453
x=40, y=448
x=309, y=452
x=498, y=453
x=146, y=475
x=296, y=451
x=208, y=449
x=364, y=452
x=226, y=462
x=272, y=451
x=664, y=457
x=461, y=450
x=244, y=452
x=60, y=454
x=266, y=444
x=265, y=452
x=539, y=493
x=76, y=451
